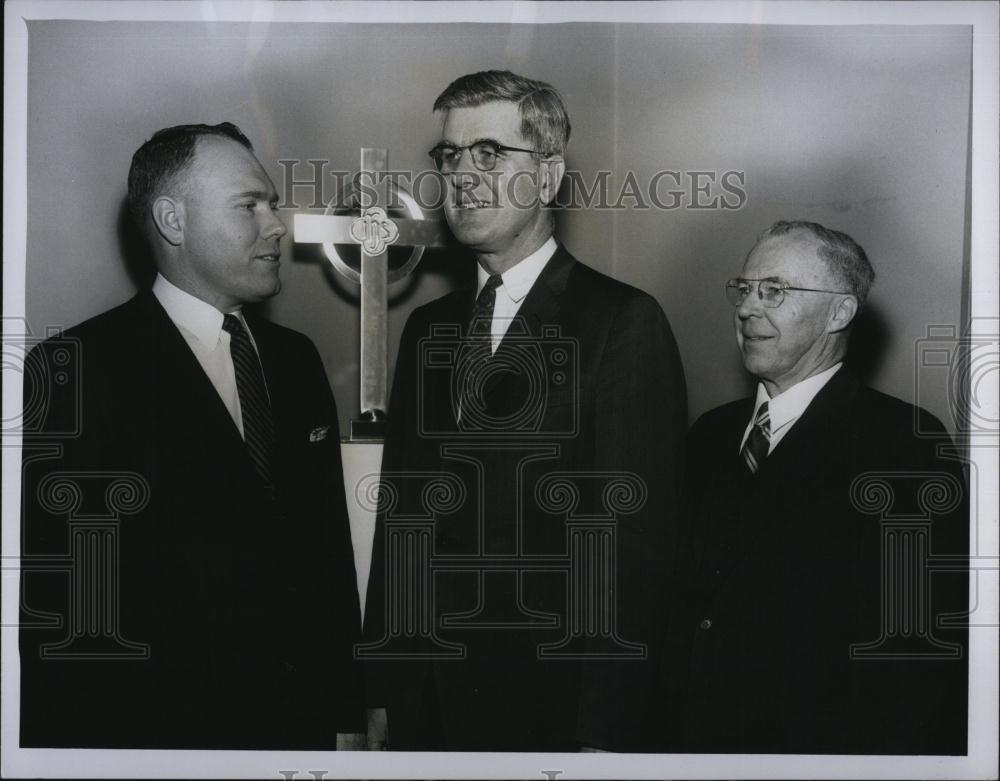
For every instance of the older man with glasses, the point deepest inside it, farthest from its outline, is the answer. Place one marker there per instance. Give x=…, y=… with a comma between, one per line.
x=807, y=619
x=555, y=397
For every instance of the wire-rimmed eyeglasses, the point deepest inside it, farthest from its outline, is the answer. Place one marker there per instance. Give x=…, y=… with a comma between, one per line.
x=771, y=292
x=485, y=154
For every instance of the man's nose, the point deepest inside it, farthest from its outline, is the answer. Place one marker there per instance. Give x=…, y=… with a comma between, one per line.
x=464, y=182
x=463, y=161
x=750, y=306
x=274, y=226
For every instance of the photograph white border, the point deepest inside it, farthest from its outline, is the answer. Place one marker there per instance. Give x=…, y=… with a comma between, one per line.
x=985, y=250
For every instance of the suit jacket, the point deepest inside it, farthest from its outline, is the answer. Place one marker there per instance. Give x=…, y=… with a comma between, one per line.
x=782, y=572
x=234, y=616
x=586, y=387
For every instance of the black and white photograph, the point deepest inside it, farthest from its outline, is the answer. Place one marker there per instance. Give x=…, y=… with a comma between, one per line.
x=513, y=390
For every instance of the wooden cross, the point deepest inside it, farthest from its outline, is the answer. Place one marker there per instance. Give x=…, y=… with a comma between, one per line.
x=375, y=232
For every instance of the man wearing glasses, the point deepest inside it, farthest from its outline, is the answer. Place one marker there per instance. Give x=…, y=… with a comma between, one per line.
x=545, y=381
x=804, y=622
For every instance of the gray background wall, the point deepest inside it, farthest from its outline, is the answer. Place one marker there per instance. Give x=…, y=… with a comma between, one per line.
x=863, y=129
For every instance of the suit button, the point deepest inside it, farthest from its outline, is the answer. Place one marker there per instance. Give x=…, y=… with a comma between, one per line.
x=706, y=623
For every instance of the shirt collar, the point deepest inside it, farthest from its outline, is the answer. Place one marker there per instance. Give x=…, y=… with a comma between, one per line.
x=518, y=279
x=203, y=320
x=788, y=406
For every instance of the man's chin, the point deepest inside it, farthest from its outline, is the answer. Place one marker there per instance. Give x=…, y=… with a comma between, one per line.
x=754, y=364
x=469, y=237
x=264, y=292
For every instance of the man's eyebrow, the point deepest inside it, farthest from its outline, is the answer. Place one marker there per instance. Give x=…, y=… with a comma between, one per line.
x=257, y=195
x=447, y=142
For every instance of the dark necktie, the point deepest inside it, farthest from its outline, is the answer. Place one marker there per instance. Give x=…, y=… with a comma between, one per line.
x=258, y=428
x=482, y=314
x=759, y=442
x=478, y=346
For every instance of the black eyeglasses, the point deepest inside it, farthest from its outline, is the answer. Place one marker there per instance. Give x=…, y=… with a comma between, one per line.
x=770, y=291
x=484, y=155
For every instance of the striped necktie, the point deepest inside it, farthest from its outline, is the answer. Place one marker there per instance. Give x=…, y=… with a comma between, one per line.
x=255, y=408
x=759, y=442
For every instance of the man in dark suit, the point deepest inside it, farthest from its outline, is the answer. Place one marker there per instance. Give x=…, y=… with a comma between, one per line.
x=535, y=429
x=190, y=483
x=822, y=598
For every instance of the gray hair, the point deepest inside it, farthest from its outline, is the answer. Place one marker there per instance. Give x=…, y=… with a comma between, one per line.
x=843, y=256
x=544, y=121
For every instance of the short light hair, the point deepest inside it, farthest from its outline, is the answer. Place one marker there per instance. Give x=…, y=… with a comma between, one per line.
x=166, y=155
x=843, y=256
x=544, y=121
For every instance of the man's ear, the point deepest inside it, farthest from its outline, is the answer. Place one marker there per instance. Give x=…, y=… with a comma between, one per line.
x=551, y=172
x=168, y=217
x=843, y=314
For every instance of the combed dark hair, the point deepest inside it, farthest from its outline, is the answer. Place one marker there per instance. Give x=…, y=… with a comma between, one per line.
x=163, y=157
x=844, y=257
x=544, y=121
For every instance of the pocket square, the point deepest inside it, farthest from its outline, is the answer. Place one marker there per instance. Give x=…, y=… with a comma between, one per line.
x=318, y=434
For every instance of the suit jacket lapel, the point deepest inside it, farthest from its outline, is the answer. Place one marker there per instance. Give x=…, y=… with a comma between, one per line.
x=540, y=307
x=818, y=429
x=187, y=393
x=808, y=450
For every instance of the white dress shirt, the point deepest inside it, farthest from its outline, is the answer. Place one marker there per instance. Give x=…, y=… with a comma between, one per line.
x=786, y=408
x=517, y=281
x=201, y=326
